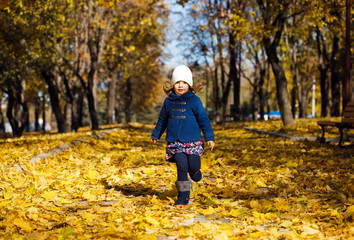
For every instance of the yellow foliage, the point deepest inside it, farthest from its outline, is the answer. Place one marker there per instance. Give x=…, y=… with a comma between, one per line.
x=24, y=225
x=120, y=187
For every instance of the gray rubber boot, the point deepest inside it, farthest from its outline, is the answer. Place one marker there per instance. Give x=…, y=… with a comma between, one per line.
x=183, y=188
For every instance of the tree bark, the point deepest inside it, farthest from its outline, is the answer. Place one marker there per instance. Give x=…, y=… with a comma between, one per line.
x=323, y=68
x=80, y=109
x=281, y=84
x=128, y=100
x=232, y=73
x=277, y=67
x=2, y=122
x=43, y=112
x=36, y=115
x=335, y=78
x=216, y=95
x=111, y=98
x=17, y=109
x=233, y=76
x=75, y=112
x=54, y=93
x=260, y=92
x=303, y=96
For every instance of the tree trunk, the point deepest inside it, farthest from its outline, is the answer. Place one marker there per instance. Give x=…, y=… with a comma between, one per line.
x=92, y=105
x=303, y=100
x=54, y=92
x=292, y=54
x=254, y=104
x=2, y=122
x=216, y=95
x=260, y=92
x=268, y=89
x=281, y=84
x=80, y=109
x=118, y=117
x=233, y=76
x=43, y=112
x=323, y=68
x=222, y=76
x=92, y=85
x=335, y=78
x=68, y=114
x=260, y=74
x=128, y=100
x=36, y=115
x=17, y=110
x=75, y=111
x=277, y=67
x=324, y=92
x=111, y=98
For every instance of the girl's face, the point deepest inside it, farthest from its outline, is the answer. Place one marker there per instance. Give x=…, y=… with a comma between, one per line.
x=181, y=87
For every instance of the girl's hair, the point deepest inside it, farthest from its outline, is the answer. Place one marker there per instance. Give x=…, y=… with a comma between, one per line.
x=168, y=87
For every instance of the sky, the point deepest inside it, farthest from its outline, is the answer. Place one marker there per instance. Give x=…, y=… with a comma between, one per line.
x=176, y=52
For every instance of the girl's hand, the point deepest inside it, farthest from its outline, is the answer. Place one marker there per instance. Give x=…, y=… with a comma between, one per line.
x=154, y=141
x=211, y=145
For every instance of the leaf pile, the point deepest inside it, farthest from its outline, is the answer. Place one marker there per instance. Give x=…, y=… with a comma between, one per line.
x=21, y=150
x=120, y=187
x=304, y=127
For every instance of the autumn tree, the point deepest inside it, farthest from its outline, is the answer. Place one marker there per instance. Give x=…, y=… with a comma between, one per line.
x=132, y=56
x=301, y=53
x=15, y=40
x=2, y=121
x=328, y=18
x=209, y=38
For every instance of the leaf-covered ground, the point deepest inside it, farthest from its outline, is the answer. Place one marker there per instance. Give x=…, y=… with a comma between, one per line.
x=304, y=127
x=19, y=150
x=120, y=187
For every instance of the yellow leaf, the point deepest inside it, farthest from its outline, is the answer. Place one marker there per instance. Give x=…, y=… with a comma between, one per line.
x=235, y=213
x=4, y=203
x=309, y=230
x=7, y=193
x=350, y=211
x=89, y=196
x=208, y=211
x=152, y=221
x=221, y=236
x=256, y=234
x=255, y=205
x=291, y=164
x=25, y=226
x=170, y=200
x=282, y=205
x=260, y=183
x=31, y=189
x=49, y=195
x=92, y=174
x=148, y=237
x=286, y=224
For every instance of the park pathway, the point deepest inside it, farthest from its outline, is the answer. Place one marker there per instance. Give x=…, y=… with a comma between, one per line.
x=119, y=186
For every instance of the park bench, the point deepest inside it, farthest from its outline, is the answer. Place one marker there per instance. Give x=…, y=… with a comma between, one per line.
x=346, y=123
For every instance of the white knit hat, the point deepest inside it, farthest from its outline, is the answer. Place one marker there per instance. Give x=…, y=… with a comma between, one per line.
x=182, y=73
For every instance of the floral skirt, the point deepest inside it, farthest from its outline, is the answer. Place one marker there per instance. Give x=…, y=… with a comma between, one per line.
x=173, y=148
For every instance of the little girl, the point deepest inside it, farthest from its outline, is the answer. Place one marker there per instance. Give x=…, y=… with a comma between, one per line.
x=182, y=116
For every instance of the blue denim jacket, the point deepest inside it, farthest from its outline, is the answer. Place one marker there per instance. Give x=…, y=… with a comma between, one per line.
x=182, y=117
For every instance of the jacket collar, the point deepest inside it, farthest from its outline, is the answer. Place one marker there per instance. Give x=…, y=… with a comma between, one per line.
x=174, y=96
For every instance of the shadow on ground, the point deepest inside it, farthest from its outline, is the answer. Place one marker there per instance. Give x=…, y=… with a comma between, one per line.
x=138, y=190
